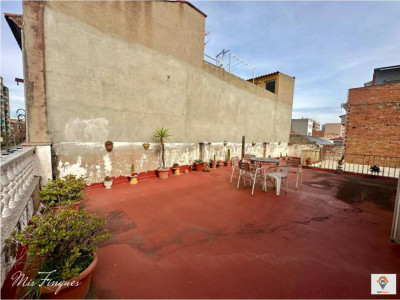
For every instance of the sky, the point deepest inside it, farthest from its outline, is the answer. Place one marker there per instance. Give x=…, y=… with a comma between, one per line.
x=11, y=59
x=329, y=47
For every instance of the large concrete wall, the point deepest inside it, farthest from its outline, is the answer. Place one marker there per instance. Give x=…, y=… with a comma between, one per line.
x=117, y=70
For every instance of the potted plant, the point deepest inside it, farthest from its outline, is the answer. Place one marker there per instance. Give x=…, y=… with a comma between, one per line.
x=308, y=161
x=63, y=192
x=340, y=163
x=109, y=146
x=159, y=136
x=228, y=159
x=220, y=163
x=108, y=181
x=198, y=165
x=62, y=248
x=213, y=163
x=176, y=169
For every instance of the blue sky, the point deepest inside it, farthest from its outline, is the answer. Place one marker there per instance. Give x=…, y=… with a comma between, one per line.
x=11, y=58
x=328, y=46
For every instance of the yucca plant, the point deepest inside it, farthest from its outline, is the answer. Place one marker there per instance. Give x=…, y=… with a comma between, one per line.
x=159, y=136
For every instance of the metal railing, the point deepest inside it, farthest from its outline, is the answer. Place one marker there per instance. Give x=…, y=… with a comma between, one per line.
x=374, y=165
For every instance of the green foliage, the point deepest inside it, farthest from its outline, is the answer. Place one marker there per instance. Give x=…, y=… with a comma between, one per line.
x=229, y=156
x=159, y=136
x=64, y=242
x=198, y=161
x=63, y=191
x=215, y=160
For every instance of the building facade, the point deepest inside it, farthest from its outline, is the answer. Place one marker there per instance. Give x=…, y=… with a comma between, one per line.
x=335, y=129
x=268, y=82
x=5, y=111
x=302, y=126
x=372, y=123
x=17, y=131
x=386, y=75
x=139, y=65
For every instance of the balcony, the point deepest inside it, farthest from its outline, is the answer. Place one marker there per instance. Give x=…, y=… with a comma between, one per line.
x=18, y=182
x=197, y=236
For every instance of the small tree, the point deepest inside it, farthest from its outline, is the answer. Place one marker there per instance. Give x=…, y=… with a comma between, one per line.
x=159, y=136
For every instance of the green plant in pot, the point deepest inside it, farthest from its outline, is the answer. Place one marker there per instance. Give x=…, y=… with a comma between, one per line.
x=198, y=165
x=108, y=181
x=340, y=163
x=63, y=192
x=61, y=247
x=228, y=159
x=213, y=163
x=160, y=135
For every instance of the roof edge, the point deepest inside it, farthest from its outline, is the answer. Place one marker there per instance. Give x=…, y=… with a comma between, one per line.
x=190, y=4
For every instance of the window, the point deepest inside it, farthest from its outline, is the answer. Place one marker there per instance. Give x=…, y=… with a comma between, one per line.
x=270, y=86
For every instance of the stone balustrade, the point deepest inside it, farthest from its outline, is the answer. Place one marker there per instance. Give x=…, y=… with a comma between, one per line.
x=18, y=183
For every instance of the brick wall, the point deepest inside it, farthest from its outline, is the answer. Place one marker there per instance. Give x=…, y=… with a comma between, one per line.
x=373, y=123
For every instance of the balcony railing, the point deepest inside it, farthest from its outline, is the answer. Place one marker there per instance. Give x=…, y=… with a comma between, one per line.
x=18, y=182
x=374, y=165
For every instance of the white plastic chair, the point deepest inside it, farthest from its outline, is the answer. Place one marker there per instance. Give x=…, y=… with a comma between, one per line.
x=235, y=166
x=253, y=174
x=296, y=168
x=279, y=174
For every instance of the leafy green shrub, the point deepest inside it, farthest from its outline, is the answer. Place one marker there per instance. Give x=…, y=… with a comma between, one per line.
x=64, y=242
x=63, y=191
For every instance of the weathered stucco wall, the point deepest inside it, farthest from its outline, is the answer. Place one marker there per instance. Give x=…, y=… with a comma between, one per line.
x=117, y=70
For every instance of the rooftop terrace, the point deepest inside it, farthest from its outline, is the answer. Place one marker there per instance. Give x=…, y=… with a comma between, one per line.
x=197, y=236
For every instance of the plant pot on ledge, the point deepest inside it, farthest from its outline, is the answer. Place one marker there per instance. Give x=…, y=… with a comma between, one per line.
x=213, y=165
x=71, y=292
x=220, y=163
x=198, y=167
x=108, y=182
x=162, y=173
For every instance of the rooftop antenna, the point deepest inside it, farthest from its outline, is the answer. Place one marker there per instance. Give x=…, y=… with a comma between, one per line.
x=218, y=59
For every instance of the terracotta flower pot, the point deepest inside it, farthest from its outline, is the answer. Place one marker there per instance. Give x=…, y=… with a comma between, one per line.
x=176, y=171
x=198, y=167
x=163, y=173
x=308, y=162
x=71, y=292
x=213, y=165
x=109, y=146
x=228, y=164
x=175, y=166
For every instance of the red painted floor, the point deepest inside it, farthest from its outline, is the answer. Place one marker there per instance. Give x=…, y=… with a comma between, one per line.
x=196, y=236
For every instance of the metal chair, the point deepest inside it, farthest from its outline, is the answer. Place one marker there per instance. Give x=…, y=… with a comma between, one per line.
x=278, y=175
x=246, y=170
x=235, y=166
x=247, y=157
x=296, y=168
